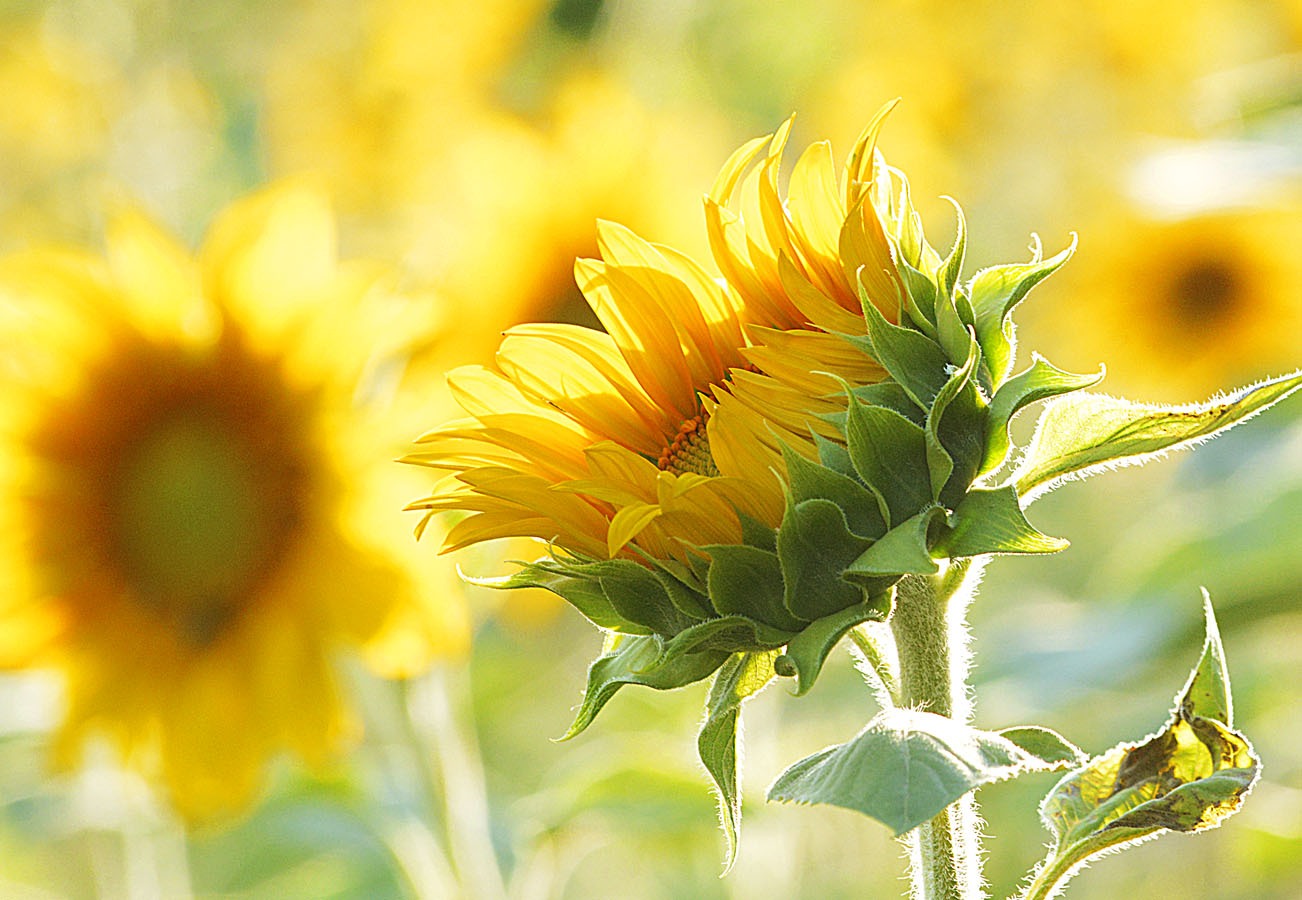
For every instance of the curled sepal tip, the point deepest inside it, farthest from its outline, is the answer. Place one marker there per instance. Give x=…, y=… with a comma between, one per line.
x=1188, y=777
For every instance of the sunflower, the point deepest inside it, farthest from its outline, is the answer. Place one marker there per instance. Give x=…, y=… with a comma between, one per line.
x=1187, y=304
x=599, y=439
x=188, y=499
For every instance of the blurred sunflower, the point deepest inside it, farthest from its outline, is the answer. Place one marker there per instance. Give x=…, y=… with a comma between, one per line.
x=189, y=494
x=1185, y=305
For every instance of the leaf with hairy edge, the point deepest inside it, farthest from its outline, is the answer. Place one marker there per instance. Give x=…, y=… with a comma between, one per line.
x=807, y=651
x=914, y=360
x=1188, y=777
x=744, y=675
x=1087, y=433
x=809, y=480
x=995, y=292
x=639, y=660
x=583, y=592
x=814, y=546
x=1039, y=381
x=748, y=581
x=889, y=453
x=905, y=767
x=991, y=521
x=902, y=551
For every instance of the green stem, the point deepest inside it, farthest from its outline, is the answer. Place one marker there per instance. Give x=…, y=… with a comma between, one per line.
x=930, y=632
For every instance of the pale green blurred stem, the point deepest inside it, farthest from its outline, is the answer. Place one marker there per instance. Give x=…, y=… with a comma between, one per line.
x=930, y=630
x=438, y=707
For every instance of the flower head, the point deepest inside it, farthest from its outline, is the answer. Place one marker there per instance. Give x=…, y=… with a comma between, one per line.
x=186, y=498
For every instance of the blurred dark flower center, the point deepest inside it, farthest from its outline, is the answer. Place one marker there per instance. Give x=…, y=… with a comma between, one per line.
x=184, y=474
x=1209, y=288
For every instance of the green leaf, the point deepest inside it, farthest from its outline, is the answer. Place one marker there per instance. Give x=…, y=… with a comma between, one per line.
x=814, y=546
x=991, y=521
x=915, y=361
x=639, y=660
x=807, y=651
x=890, y=454
x=902, y=551
x=742, y=676
x=905, y=767
x=1087, y=433
x=748, y=581
x=1039, y=381
x=1044, y=744
x=583, y=592
x=809, y=481
x=1208, y=692
x=995, y=292
x=1188, y=777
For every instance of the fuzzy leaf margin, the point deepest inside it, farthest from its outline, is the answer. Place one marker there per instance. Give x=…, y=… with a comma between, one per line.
x=1081, y=434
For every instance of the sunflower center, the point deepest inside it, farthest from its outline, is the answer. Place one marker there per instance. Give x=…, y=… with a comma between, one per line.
x=689, y=451
x=178, y=482
x=1208, y=289
x=193, y=527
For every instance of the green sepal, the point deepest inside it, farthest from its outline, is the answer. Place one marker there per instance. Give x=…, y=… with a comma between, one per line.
x=904, y=550
x=1039, y=381
x=991, y=521
x=637, y=595
x=748, y=581
x=954, y=446
x=915, y=361
x=1188, y=777
x=906, y=766
x=731, y=634
x=582, y=592
x=890, y=395
x=807, y=651
x=1087, y=433
x=742, y=676
x=995, y=292
x=755, y=533
x=833, y=455
x=809, y=480
x=920, y=297
x=814, y=546
x=889, y=453
x=686, y=592
x=952, y=268
x=635, y=659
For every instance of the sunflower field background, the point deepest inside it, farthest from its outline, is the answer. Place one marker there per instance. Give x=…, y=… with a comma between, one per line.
x=470, y=150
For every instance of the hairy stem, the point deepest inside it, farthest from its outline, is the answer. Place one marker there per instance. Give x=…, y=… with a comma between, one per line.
x=930, y=632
